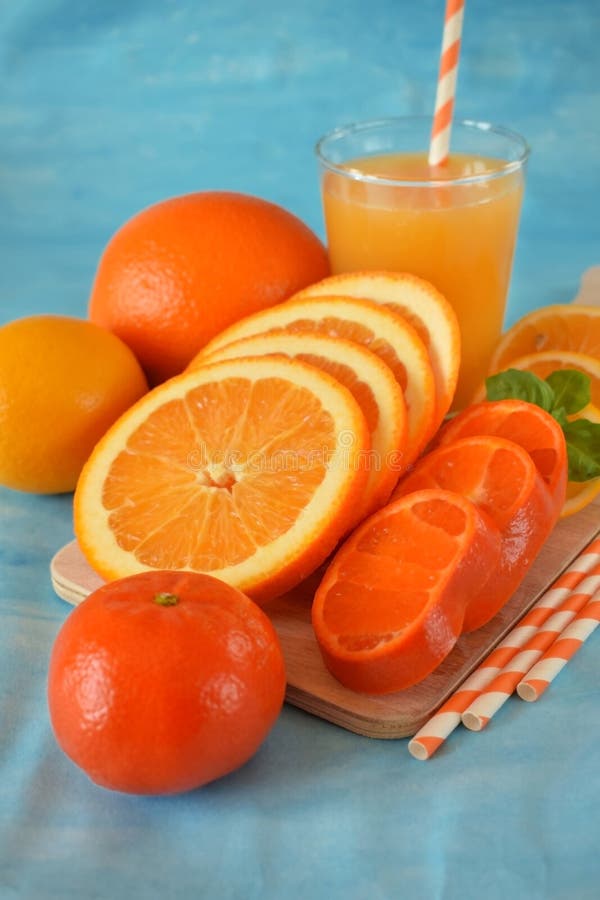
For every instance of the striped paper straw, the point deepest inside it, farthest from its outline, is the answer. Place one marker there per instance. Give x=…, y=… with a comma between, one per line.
x=430, y=737
x=479, y=713
x=439, y=146
x=562, y=650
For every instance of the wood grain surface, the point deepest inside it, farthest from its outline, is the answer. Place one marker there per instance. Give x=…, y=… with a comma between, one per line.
x=312, y=688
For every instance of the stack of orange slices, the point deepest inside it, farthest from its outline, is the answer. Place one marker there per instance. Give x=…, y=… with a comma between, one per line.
x=555, y=337
x=288, y=428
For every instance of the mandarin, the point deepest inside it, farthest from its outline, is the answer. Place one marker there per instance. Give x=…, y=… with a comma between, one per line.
x=180, y=271
x=164, y=681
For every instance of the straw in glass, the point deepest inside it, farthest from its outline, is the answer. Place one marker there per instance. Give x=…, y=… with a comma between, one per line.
x=439, y=146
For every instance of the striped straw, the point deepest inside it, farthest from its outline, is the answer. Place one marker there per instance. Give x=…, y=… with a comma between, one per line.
x=479, y=713
x=562, y=650
x=439, y=146
x=433, y=734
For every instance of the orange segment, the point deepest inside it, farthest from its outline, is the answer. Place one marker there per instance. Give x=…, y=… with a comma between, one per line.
x=391, y=604
x=248, y=470
x=501, y=479
x=370, y=381
x=568, y=327
x=384, y=333
x=421, y=304
x=527, y=425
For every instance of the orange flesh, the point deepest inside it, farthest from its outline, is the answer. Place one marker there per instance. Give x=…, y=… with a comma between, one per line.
x=555, y=328
x=353, y=331
x=361, y=392
x=526, y=425
x=420, y=544
x=491, y=476
x=194, y=504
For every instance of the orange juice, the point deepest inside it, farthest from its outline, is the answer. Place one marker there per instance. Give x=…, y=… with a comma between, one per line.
x=455, y=225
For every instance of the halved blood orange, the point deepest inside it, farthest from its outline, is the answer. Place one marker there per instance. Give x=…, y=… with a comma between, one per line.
x=421, y=304
x=248, y=470
x=502, y=480
x=391, y=605
x=370, y=381
x=385, y=333
x=527, y=425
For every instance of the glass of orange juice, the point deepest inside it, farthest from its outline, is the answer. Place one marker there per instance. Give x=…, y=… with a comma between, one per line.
x=454, y=224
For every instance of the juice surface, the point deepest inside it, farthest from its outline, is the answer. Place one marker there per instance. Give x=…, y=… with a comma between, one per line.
x=461, y=237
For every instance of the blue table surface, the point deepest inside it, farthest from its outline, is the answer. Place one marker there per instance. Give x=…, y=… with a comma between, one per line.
x=108, y=107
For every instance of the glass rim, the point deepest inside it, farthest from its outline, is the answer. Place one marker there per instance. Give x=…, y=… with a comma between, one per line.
x=506, y=167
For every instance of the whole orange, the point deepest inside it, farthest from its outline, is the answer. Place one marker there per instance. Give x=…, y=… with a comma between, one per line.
x=163, y=681
x=63, y=382
x=180, y=271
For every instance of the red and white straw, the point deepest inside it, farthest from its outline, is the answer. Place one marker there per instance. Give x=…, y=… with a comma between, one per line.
x=439, y=146
x=441, y=725
x=541, y=676
x=495, y=695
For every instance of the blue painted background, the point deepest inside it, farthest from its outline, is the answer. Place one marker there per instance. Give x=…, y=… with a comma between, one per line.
x=107, y=107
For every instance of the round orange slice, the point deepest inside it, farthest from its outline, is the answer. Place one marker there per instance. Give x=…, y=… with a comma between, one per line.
x=568, y=327
x=248, y=470
x=501, y=479
x=370, y=381
x=391, y=605
x=527, y=425
x=383, y=332
x=543, y=364
x=427, y=310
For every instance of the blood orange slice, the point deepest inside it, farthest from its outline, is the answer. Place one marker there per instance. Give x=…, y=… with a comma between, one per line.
x=527, y=425
x=502, y=480
x=391, y=605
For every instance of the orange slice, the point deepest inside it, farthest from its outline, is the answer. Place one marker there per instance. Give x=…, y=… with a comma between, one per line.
x=527, y=425
x=391, y=605
x=569, y=327
x=427, y=310
x=247, y=470
x=501, y=479
x=542, y=364
x=370, y=381
x=385, y=333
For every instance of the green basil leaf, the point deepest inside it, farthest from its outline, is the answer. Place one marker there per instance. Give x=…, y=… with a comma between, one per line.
x=520, y=385
x=571, y=389
x=583, y=449
x=559, y=413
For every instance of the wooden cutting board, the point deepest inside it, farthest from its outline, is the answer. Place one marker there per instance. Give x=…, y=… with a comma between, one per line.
x=312, y=688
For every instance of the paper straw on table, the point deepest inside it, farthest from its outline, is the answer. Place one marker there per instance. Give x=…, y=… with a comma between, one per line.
x=439, y=146
x=430, y=737
x=493, y=698
x=562, y=650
